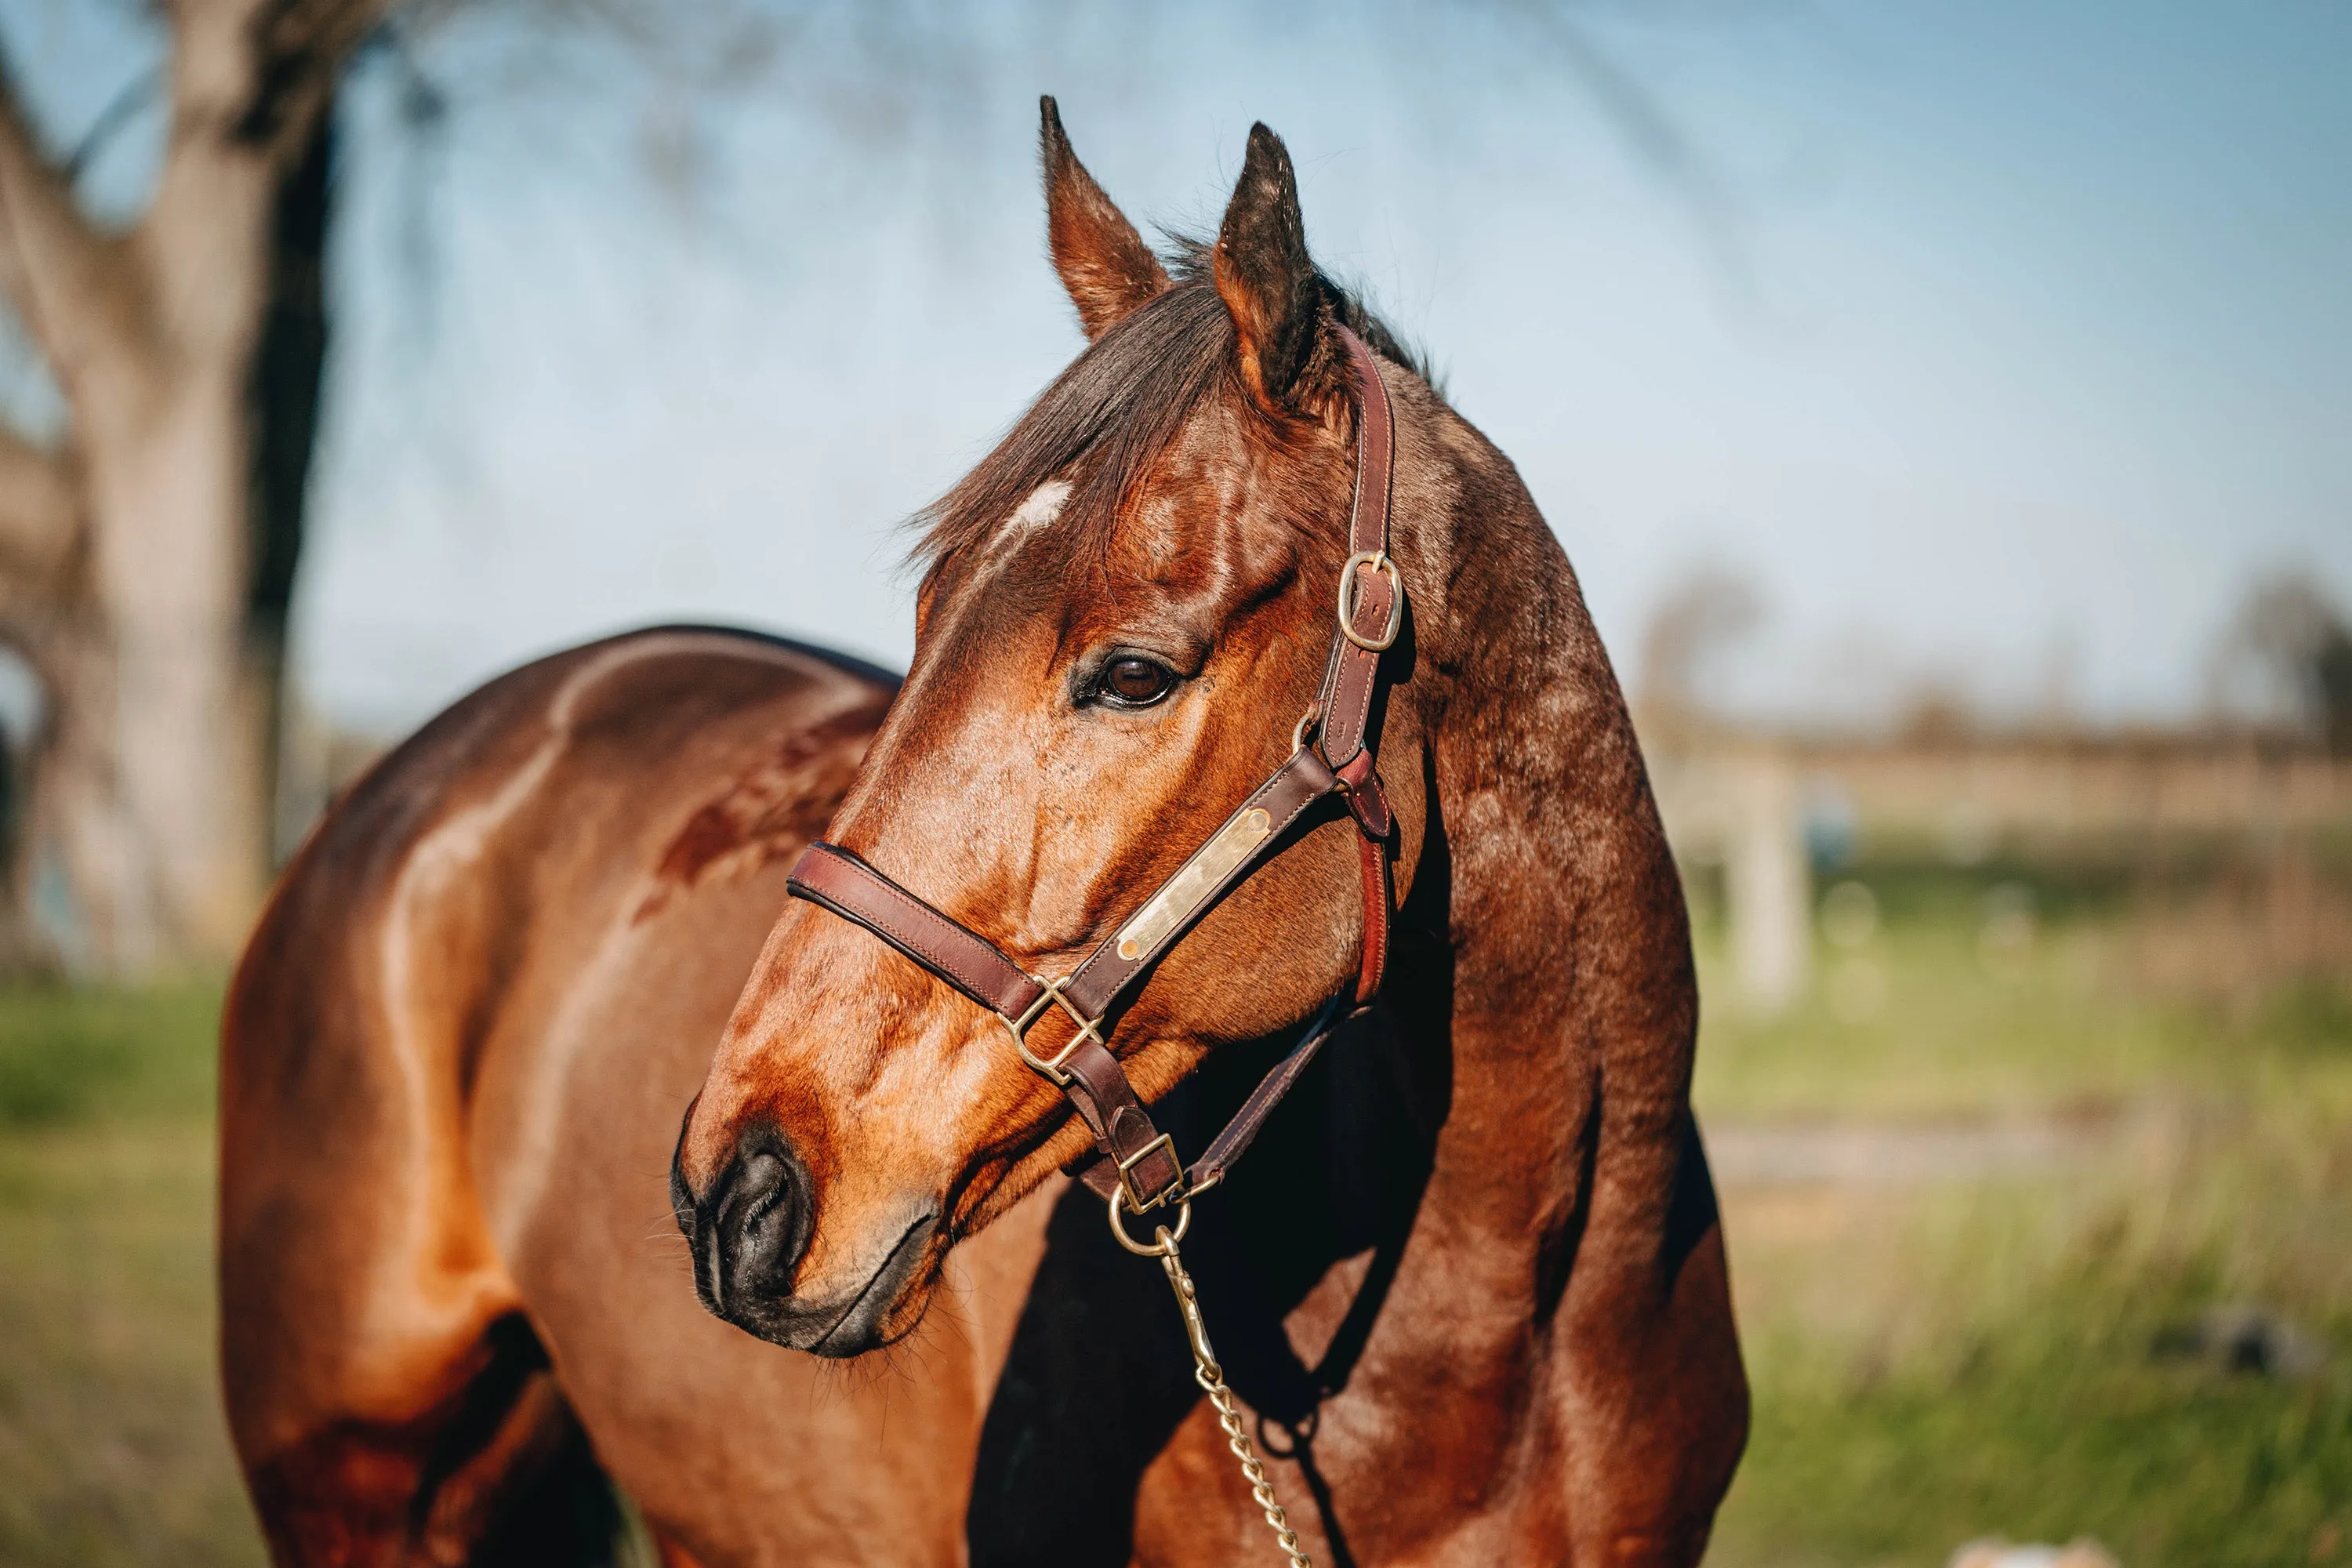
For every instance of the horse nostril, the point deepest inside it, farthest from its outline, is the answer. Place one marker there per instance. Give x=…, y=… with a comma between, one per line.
x=752, y=1231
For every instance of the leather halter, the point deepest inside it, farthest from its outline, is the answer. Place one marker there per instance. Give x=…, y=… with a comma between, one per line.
x=1135, y=1161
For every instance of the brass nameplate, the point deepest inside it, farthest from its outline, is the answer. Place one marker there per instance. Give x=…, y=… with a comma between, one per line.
x=1209, y=866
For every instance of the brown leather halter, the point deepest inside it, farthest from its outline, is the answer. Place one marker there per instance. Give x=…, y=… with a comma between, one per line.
x=1332, y=754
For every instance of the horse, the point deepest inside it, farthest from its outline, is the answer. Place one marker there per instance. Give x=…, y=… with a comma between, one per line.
x=1468, y=1289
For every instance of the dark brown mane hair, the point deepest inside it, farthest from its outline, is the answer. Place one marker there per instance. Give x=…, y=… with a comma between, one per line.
x=1107, y=418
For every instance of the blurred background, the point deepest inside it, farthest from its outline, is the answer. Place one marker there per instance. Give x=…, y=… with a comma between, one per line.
x=1945, y=406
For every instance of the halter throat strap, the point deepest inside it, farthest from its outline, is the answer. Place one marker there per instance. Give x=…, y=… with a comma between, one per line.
x=1133, y=1159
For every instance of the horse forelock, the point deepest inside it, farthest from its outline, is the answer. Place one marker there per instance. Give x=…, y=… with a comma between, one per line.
x=1079, y=453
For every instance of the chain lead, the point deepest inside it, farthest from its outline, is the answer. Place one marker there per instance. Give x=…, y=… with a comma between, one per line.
x=1212, y=1379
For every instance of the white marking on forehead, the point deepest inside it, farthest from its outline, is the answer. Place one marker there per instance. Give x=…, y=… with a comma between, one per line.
x=1038, y=511
x=1043, y=505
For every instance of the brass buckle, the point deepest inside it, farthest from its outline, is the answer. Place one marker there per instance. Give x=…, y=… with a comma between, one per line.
x=1378, y=560
x=1052, y=1070
x=1138, y=1201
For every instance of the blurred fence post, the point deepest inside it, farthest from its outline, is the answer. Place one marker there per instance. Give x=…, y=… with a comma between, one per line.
x=1769, y=883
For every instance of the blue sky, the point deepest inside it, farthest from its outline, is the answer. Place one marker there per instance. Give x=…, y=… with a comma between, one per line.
x=2001, y=346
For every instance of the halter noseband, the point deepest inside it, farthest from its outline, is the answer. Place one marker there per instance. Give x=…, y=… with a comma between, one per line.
x=1135, y=1164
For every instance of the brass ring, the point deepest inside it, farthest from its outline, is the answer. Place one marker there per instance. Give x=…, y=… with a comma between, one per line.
x=1163, y=1244
x=1305, y=725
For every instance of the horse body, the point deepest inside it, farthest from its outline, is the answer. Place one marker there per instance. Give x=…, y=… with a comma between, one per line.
x=1469, y=1282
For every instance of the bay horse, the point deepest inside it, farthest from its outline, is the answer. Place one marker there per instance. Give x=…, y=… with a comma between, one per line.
x=1468, y=1288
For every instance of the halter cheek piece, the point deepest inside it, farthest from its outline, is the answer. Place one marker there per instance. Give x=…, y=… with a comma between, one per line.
x=1135, y=1164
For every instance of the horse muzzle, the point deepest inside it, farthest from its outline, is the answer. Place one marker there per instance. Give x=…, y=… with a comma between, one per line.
x=748, y=1232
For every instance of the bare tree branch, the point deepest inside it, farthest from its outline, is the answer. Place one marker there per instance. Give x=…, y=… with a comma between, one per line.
x=71, y=284
x=301, y=46
x=40, y=508
x=136, y=95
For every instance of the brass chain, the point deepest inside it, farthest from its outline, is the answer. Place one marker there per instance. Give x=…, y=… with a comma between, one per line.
x=1212, y=1379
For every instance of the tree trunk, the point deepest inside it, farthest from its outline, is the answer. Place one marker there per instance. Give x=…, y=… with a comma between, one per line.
x=188, y=350
x=283, y=396
x=167, y=493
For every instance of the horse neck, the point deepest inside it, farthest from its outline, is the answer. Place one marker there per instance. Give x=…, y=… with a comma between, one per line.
x=1557, y=959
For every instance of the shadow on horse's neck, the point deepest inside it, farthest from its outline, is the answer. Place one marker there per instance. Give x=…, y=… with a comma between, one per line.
x=1098, y=1376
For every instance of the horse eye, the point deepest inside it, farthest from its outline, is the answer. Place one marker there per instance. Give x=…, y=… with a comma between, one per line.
x=1136, y=682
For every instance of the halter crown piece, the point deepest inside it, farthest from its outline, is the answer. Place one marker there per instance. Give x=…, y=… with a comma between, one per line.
x=1134, y=1166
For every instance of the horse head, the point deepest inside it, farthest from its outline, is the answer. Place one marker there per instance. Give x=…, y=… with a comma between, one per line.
x=1123, y=628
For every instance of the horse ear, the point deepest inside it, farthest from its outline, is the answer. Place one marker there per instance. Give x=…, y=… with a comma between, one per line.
x=1264, y=276
x=1104, y=263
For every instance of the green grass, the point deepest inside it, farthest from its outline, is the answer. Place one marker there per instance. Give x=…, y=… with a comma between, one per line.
x=2048, y=1438
x=1939, y=1361
x=1935, y=1015
x=112, y=1449
x=69, y=1057
x=2007, y=1387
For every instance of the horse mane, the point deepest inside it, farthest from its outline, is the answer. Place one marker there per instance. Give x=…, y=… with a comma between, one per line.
x=1104, y=421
